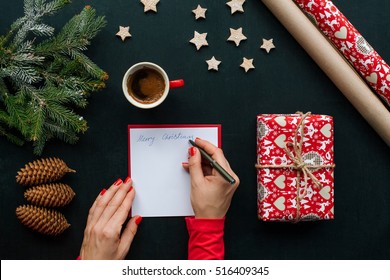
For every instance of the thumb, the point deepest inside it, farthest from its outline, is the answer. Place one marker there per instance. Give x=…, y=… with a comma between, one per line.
x=195, y=164
x=129, y=233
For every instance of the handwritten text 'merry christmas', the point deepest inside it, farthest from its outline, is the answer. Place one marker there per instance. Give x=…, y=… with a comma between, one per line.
x=150, y=140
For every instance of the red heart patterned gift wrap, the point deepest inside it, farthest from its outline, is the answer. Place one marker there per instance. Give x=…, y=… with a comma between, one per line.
x=295, y=164
x=347, y=39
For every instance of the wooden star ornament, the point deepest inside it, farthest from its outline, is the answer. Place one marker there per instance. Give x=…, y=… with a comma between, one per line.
x=199, y=12
x=236, y=36
x=247, y=64
x=236, y=6
x=199, y=40
x=123, y=32
x=150, y=5
x=213, y=63
x=268, y=45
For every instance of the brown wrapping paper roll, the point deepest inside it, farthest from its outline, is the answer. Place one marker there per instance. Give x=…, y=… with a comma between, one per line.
x=333, y=64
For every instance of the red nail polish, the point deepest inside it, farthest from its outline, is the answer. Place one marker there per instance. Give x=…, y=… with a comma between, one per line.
x=103, y=191
x=118, y=182
x=131, y=188
x=127, y=180
x=184, y=163
x=197, y=138
x=138, y=220
x=192, y=151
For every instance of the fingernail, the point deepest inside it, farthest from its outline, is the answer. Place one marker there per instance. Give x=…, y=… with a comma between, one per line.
x=184, y=163
x=103, y=191
x=138, y=220
x=197, y=138
x=131, y=188
x=118, y=182
x=127, y=180
x=192, y=151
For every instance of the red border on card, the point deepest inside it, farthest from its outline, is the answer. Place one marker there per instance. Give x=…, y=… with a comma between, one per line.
x=130, y=126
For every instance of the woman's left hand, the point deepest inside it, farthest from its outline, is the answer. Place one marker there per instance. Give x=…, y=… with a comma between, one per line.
x=104, y=235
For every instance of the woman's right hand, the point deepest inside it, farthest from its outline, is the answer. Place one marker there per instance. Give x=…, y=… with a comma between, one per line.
x=211, y=194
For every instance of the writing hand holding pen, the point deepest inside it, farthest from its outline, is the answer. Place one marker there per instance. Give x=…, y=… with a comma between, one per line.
x=211, y=193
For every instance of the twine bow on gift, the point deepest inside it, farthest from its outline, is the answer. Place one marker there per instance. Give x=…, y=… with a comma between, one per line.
x=294, y=152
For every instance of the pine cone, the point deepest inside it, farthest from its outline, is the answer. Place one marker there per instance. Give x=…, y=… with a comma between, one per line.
x=46, y=170
x=50, y=195
x=45, y=221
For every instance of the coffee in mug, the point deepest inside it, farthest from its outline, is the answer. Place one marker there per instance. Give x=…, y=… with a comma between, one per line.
x=146, y=85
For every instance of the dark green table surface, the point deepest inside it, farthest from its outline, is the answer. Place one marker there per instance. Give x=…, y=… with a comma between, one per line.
x=284, y=81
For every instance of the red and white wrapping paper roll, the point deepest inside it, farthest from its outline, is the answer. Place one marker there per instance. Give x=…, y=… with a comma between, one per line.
x=366, y=61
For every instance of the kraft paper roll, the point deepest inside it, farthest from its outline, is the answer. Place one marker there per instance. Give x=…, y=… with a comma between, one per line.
x=333, y=64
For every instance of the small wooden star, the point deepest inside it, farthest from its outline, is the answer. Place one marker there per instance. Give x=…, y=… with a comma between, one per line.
x=213, y=64
x=199, y=12
x=247, y=64
x=236, y=6
x=150, y=5
x=267, y=45
x=123, y=32
x=236, y=36
x=199, y=40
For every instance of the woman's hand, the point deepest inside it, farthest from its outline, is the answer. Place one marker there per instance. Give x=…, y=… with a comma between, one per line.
x=105, y=236
x=211, y=194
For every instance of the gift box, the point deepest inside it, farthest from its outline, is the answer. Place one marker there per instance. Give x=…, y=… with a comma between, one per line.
x=295, y=167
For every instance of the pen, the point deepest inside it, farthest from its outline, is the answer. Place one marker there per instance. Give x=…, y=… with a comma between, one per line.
x=215, y=164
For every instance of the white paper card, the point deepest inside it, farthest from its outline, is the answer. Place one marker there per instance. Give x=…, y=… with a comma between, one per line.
x=156, y=153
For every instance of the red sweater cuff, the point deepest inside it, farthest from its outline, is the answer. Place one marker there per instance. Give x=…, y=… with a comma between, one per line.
x=206, y=239
x=205, y=225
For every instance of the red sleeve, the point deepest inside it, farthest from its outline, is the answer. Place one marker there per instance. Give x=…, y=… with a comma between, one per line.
x=206, y=239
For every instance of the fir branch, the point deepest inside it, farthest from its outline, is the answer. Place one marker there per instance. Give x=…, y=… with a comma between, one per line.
x=3, y=89
x=88, y=65
x=34, y=10
x=75, y=35
x=72, y=90
x=53, y=130
x=12, y=138
x=4, y=117
x=25, y=55
x=26, y=47
x=25, y=26
x=17, y=114
x=66, y=135
x=49, y=8
x=39, y=144
x=65, y=117
x=22, y=74
x=2, y=41
x=63, y=95
x=90, y=24
x=84, y=85
x=83, y=26
x=42, y=30
x=40, y=83
x=27, y=59
x=36, y=121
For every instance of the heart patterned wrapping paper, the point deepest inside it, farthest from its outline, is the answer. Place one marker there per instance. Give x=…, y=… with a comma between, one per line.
x=347, y=39
x=295, y=167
